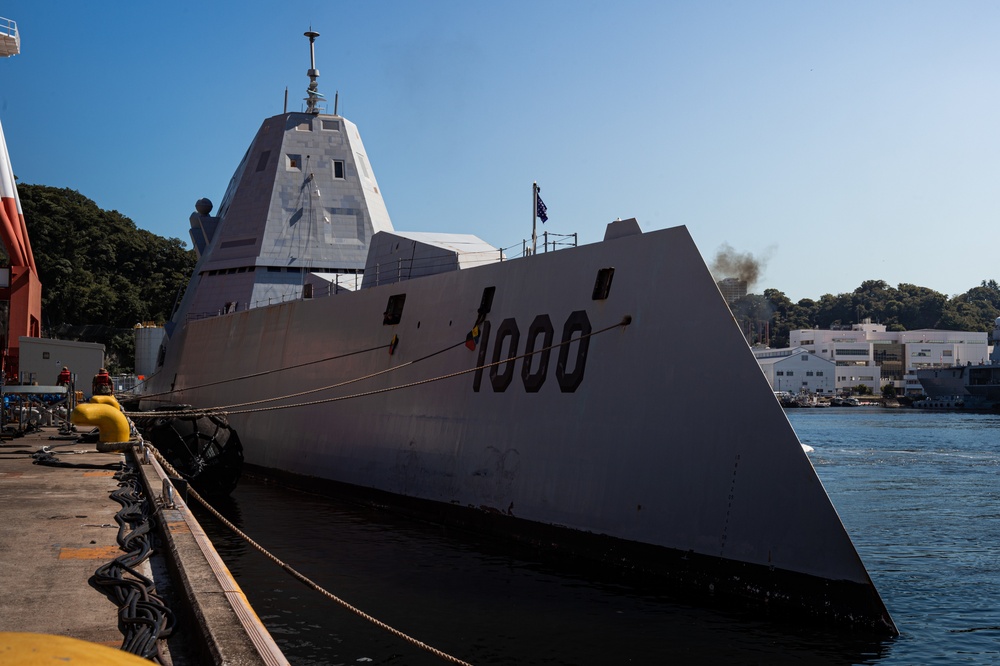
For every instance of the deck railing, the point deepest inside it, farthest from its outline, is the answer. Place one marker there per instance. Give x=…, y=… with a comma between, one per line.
x=399, y=270
x=10, y=40
x=8, y=27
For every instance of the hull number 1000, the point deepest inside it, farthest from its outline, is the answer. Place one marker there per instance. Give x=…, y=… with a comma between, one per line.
x=538, y=349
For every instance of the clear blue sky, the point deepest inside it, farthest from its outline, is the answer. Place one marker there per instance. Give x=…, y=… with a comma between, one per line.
x=834, y=141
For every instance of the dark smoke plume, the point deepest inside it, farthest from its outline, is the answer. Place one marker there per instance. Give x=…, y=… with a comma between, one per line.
x=729, y=263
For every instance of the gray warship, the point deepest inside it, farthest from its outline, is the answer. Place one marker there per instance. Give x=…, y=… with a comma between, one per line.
x=557, y=399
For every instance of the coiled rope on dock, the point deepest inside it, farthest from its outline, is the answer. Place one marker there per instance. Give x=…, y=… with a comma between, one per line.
x=233, y=409
x=302, y=577
x=143, y=616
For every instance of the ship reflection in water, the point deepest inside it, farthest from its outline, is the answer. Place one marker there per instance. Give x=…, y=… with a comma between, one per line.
x=474, y=598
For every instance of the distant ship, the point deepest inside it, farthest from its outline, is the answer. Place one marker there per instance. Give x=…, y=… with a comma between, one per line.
x=566, y=399
x=964, y=387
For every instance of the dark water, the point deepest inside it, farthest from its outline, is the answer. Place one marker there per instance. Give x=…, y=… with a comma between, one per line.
x=918, y=492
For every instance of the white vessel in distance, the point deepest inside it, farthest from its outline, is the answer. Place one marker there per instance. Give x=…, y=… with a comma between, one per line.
x=563, y=399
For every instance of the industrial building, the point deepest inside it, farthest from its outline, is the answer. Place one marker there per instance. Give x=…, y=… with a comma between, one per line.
x=868, y=354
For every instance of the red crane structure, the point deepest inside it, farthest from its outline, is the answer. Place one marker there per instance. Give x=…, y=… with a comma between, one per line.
x=20, y=288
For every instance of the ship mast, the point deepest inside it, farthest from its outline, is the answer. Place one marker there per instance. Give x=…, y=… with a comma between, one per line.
x=314, y=95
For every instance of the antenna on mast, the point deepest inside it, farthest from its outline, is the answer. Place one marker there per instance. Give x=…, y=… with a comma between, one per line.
x=314, y=95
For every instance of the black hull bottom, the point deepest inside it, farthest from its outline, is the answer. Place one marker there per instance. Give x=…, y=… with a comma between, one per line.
x=701, y=580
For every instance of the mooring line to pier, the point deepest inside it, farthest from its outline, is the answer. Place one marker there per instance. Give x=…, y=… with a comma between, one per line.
x=228, y=410
x=268, y=372
x=299, y=576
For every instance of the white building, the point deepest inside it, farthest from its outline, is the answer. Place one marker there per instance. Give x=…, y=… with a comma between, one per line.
x=43, y=358
x=796, y=370
x=868, y=354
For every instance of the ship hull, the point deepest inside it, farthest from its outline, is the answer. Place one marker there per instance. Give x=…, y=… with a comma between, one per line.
x=963, y=387
x=769, y=593
x=629, y=434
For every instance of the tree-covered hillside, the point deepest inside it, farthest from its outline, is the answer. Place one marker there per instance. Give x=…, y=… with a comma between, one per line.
x=769, y=317
x=100, y=274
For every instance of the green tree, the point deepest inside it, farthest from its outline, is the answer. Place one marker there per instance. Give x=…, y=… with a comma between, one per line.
x=754, y=314
x=975, y=310
x=100, y=274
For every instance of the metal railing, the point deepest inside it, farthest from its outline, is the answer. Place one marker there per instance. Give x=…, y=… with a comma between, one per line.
x=10, y=40
x=398, y=270
x=8, y=28
x=557, y=241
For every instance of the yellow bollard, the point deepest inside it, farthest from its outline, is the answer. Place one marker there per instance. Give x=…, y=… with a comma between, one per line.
x=106, y=400
x=113, y=426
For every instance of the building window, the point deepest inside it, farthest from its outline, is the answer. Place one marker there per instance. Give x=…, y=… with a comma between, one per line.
x=780, y=373
x=330, y=125
x=819, y=373
x=790, y=373
x=809, y=373
x=338, y=169
x=293, y=162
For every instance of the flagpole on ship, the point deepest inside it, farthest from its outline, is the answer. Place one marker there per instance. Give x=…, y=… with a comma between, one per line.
x=537, y=211
x=534, y=216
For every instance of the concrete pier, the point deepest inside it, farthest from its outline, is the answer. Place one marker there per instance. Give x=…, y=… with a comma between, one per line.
x=57, y=527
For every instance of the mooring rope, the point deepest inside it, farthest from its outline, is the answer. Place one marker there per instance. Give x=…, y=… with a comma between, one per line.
x=225, y=409
x=299, y=576
x=143, y=616
x=228, y=410
x=268, y=372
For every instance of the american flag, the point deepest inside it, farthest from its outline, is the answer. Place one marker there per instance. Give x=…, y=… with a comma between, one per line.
x=540, y=209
